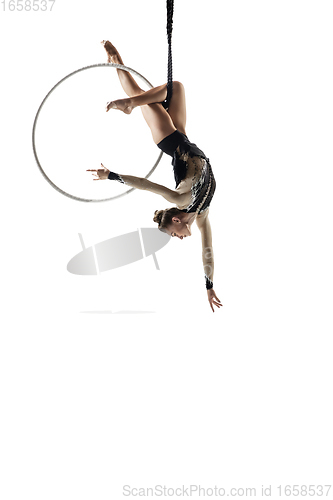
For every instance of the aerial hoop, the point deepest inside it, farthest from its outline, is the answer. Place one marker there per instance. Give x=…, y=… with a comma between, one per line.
x=119, y=66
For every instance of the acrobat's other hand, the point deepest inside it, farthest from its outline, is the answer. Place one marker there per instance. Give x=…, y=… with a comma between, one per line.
x=101, y=174
x=213, y=300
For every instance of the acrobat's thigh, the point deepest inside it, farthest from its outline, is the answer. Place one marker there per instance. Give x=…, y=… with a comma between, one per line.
x=161, y=122
x=177, y=107
x=158, y=120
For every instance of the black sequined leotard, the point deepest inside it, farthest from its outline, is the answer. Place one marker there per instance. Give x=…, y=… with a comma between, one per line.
x=177, y=145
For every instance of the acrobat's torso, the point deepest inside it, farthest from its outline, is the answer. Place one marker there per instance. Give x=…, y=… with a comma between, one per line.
x=192, y=171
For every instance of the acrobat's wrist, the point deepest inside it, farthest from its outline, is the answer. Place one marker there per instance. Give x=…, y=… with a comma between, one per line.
x=209, y=283
x=115, y=177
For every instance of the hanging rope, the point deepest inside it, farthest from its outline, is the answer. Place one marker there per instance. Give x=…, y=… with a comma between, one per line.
x=170, y=5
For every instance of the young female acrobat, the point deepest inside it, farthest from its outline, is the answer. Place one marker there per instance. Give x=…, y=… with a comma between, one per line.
x=195, y=183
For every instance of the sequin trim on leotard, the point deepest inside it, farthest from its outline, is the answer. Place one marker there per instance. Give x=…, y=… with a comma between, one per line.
x=180, y=148
x=202, y=191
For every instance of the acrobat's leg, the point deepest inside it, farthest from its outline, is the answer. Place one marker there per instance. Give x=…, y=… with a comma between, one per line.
x=127, y=81
x=177, y=106
x=161, y=123
x=158, y=120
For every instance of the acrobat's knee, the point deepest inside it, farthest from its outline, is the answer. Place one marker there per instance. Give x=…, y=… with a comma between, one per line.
x=178, y=86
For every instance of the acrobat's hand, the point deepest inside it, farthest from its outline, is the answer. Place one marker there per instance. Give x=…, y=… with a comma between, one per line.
x=213, y=299
x=100, y=174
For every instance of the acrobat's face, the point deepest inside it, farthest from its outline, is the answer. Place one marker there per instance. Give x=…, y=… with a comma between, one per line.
x=179, y=229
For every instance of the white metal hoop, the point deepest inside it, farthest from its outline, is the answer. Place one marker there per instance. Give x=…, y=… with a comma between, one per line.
x=119, y=66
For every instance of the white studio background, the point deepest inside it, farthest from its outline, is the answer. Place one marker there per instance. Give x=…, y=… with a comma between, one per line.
x=128, y=378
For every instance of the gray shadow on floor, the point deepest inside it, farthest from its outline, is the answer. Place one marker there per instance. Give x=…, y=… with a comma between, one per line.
x=118, y=312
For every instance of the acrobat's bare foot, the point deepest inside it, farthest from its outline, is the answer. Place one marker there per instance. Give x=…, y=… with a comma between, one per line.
x=124, y=105
x=112, y=52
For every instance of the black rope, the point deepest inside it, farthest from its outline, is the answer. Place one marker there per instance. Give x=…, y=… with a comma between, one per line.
x=170, y=5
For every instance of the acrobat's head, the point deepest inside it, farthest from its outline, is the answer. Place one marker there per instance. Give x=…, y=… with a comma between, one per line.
x=173, y=222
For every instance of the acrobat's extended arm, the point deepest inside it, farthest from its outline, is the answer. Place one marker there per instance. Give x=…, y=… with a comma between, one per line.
x=203, y=224
x=138, y=183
